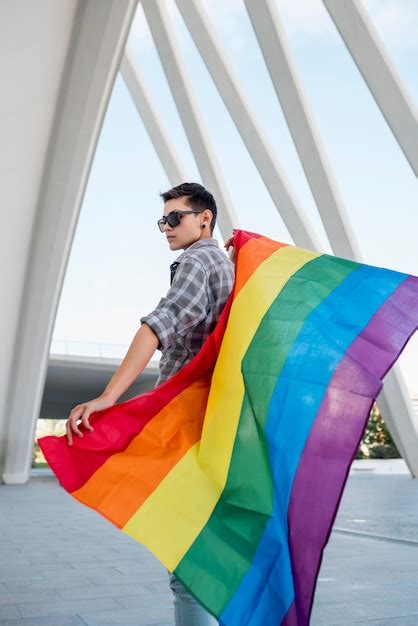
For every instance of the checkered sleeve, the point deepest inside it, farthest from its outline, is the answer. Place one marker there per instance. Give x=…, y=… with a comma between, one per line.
x=184, y=306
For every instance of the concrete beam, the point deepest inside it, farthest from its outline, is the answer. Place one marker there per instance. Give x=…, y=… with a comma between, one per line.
x=369, y=54
x=189, y=111
x=148, y=111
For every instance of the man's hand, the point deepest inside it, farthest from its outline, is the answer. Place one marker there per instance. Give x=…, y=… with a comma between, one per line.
x=228, y=243
x=82, y=412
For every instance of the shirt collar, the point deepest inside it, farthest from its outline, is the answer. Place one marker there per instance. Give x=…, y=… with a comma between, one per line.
x=209, y=241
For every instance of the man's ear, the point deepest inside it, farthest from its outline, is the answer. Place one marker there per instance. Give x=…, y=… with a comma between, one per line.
x=208, y=212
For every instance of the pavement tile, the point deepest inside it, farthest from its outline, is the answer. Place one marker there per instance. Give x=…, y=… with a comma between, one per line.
x=73, y=573
x=343, y=596
x=53, y=569
x=133, y=568
x=44, y=584
x=8, y=612
x=27, y=597
x=367, y=611
x=107, y=554
x=64, y=620
x=67, y=607
x=408, y=620
x=157, y=586
x=33, y=572
x=115, y=577
x=51, y=559
x=153, y=599
x=102, y=591
x=14, y=561
x=406, y=590
x=20, y=574
x=134, y=617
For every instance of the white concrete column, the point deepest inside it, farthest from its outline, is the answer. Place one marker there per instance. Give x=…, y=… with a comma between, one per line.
x=80, y=92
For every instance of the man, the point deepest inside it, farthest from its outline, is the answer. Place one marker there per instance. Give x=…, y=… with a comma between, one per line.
x=202, y=278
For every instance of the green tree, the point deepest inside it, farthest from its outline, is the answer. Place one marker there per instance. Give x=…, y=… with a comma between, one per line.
x=377, y=442
x=45, y=427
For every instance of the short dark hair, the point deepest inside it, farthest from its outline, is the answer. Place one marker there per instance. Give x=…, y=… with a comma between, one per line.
x=197, y=197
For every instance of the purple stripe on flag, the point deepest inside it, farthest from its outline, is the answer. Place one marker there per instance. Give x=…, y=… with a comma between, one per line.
x=335, y=435
x=291, y=618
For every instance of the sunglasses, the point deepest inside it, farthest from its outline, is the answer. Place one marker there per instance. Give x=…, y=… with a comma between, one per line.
x=173, y=218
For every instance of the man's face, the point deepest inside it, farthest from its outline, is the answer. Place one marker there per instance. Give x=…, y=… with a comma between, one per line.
x=190, y=228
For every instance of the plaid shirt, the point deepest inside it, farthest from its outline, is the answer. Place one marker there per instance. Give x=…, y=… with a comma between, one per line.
x=202, y=279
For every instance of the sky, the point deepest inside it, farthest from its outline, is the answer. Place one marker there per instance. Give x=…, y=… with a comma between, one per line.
x=119, y=263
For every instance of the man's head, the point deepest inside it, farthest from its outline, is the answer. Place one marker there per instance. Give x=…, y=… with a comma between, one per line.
x=189, y=227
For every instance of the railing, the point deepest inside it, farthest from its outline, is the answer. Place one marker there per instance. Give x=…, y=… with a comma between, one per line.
x=90, y=348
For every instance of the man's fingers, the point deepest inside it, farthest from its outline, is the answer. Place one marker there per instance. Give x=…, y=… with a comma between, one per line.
x=79, y=412
x=75, y=427
x=69, y=434
x=75, y=415
x=85, y=420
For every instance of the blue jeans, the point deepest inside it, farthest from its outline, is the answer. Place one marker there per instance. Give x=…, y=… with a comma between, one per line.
x=187, y=611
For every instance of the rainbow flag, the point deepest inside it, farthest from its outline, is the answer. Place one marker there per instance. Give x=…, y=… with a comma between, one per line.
x=231, y=472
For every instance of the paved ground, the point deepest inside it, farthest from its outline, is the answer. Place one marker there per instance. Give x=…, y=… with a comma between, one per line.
x=63, y=565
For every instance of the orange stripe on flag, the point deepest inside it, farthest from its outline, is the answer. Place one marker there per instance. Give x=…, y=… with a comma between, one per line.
x=122, y=484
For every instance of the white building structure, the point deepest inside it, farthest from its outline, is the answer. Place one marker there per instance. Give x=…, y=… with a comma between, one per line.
x=58, y=62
